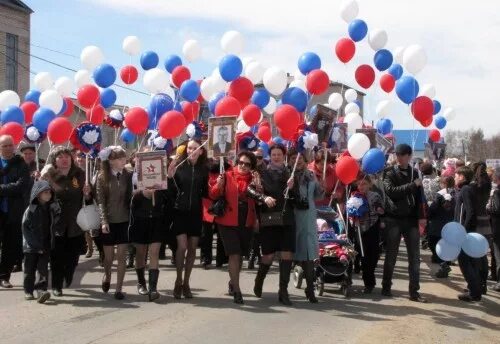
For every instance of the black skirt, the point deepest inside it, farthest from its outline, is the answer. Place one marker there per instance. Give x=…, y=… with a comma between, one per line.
x=118, y=234
x=188, y=223
x=148, y=230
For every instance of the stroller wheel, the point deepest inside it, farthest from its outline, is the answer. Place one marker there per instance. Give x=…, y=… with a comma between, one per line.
x=319, y=285
x=346, y=290
x=298, y=276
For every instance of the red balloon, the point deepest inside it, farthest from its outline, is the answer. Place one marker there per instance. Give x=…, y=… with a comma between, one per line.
x=129, y=74
x=137, y=120
x=59, y=130
x=179, y=75
x=317, y=82
x=365, y=76
x=426, y=122
x=387, y=83
x=288, y=135
x=422, y=108
x=190, y=111
x=241, y=89
x=96, y=115
x=88, y=96
x=29, y=109
x=251, y=115
x=13, y=129
x=70, y=107
x=228, y=106
x=434, y=135
x=287, y=118
x=347, y=169
x=345, y=49
x=171, y=124
x=264, y=133
x=265, y=123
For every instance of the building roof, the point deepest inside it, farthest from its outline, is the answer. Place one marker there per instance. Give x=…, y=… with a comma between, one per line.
x=418, y=136
x=17, y=5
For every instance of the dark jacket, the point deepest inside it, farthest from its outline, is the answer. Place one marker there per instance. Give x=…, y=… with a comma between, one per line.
x=493, y=209
x=441, y=212
x=190, y=183
x=274, y=183
x=143, y=207
x=466, y=207
x=38, y=238
x=16, y=189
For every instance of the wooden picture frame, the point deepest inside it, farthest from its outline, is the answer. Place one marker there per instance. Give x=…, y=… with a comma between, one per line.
x=152, y=170
x=339, y=138
x=322, y=123
x=221, y=129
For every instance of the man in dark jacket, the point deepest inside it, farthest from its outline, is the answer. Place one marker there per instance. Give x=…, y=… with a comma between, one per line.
x=405, y=210
x=14, y=184
x=493, y=209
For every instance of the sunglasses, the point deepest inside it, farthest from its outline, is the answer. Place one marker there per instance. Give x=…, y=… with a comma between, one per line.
x=244, y=163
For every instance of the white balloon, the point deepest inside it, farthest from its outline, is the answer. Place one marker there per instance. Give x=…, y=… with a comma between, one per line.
x=82, y=77
x=270, y=108
x=8, y=98
x=350, y=95
x=131, y=45
x=354, y=122
x=254, y=72
x=335, y=101
x=43, y=81
x=206, y=88
x=398, y=54
x=218, y=83
x=414, y=58
x=64, y=86
x=232, y=42
x=52, y=100
x=91, y=57
x=377, y=39
x=358, y=145
x=156, y=80
x=192, y=50
x=245, y=61
x=449, y=113
x=352, y=107
x=349, y=10
x=275, y=80
x=428, y=90
x=299, y=84
x=32, y=133
x=297, y=75
x=383, y=108
x=242, y=127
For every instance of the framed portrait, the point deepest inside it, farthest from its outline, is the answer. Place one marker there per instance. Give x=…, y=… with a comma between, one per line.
x=322, y=123
x=338, y=138
x=384, y=144
x=372, y=135
x=152, y=170
x=221, y=137
x=435, y=151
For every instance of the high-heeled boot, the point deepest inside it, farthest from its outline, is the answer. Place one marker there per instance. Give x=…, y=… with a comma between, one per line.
x=285, y=268
x=308, y=267
x=259, y=279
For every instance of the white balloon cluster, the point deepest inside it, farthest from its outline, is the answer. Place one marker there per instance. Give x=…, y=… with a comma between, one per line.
x=8, y=98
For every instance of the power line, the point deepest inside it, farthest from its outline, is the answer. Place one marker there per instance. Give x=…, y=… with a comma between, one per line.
x=55, y=51
x=19, y=63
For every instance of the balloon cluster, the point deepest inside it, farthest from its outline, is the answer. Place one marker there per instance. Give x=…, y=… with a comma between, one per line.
x=454, y=239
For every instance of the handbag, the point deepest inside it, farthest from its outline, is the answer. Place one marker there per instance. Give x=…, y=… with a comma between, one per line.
x=271, y=219
x=218, y=208
x=89, y=218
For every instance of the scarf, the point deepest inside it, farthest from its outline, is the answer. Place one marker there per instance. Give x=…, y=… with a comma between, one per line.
x=242, y=182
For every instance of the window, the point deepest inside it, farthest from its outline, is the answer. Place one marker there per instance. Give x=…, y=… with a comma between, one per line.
x=11, y=62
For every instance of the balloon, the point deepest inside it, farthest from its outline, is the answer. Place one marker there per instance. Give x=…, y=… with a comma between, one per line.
x=31, y=96
x=289, y=135
x=232, y=42
x=242, y=127
x=426, y=122
x=475, y=245
x=407, y=89
x=264, y=133
x=95, y=114
x=13, y=129
x=59, y=130
x=63, y=108
x=160, y=103
x=295, y=97
x=127, y=136
x=82, y=77
x=440, y=122
x=384, y=126
x=230, y=67
x=149, y=60
x=189, y=90
x=335, y=101
x=171, y=62
x=350, y=95
x=191, y=50
x=345, y=49
x=129, y=74
x=275, y=80
x=28, y=109
x=254, y=71
x=377, y=39
x=41, y=119
x=64, y=86
x=91, y=57
x=313, y=111
x=398, y=54
x=437, y=106
x=352, y=107
x=384, y=108
x=354, y=122
x=358, y=145
x=414, y=59
x=206, y=88
x=373, y=161
x=155, y=80
x=299, y=84
x=317, y=82
x=241, y=89
x=108, y=97
x=422, y=108
x=212, y=103
x=43, y=81
x=308, y=62
x=251, y=114
x=270, y=108
x=357, y=30
x=70, y=107
x=382, y=59
x=365, y=76
x=434, y=135
x=349, y=10
x=52, y=100
x=190, y=111
x=387, y=83
x=12, y=114
x=396, y=71
x=449, y=114
x=287, y=118
x=218, y=84
x=454, y=233
x=105, y=75
x=428, y=90
x=136, y=120
x=88, y=96
x=228, y=106
x=347, y=169
x=179, y=75
x=131, y=45
x=171, y=125
x=447, y=251
x=260, y=98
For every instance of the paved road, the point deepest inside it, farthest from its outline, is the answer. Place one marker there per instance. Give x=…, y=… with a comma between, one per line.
x=85, y=315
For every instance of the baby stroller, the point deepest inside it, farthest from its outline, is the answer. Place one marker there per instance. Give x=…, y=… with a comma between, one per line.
x=336, y=256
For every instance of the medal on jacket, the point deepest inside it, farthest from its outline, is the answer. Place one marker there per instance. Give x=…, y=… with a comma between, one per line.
x=75, y=183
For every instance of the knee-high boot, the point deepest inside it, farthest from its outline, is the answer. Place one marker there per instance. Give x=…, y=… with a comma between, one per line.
x=259, y=279
x=285, y=268
x=153, y=283
x=308, y=267
x=141, y=282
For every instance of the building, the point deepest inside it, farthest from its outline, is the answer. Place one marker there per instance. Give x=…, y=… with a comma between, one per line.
x=416, y=138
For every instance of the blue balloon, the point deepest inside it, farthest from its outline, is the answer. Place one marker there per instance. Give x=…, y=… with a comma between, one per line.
x=313, y=111
x=447, y=251
x=104, y=75
x=407, y=89
x=279, y=141
x=383, y=59
x=261, y=98
x=108, y=97
x=396, y=70
x=12, y=114
x=440, y=122
x=230, y=67
x=308, y=62
x=296, y=97
x=475, y=245
x=358, y=103
x=212, y=103
x=373, y=161
x=454, y=233
x=178, y=106
x=357, y=30
x=127, y=136
x=149, y=60
x=42, y=118
x=189, y=90
x=159, y=104
x=265, y=148
x=171, y=62
x=437, y=106
x=384, y=126
x=33, y=96
x=254, y=129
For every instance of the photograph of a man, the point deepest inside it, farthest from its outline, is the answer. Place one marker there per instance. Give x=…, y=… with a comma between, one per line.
x=222, y=140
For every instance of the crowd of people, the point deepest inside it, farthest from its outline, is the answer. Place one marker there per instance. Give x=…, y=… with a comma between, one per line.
x=262, y=207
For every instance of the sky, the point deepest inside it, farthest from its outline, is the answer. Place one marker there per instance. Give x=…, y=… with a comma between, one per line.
x=461, y=39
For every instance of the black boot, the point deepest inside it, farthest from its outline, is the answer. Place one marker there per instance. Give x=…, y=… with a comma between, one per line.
x=285, y=268
x=259, y=279
x=251, y=260
x=141, y=282
x=308, y=267
x=153, y=283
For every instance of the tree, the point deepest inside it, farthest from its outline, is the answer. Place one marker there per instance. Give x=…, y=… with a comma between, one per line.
x=472, y=144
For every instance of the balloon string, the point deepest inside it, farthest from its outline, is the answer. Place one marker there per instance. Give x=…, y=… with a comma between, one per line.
x=36, y=157
x=190, y=155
